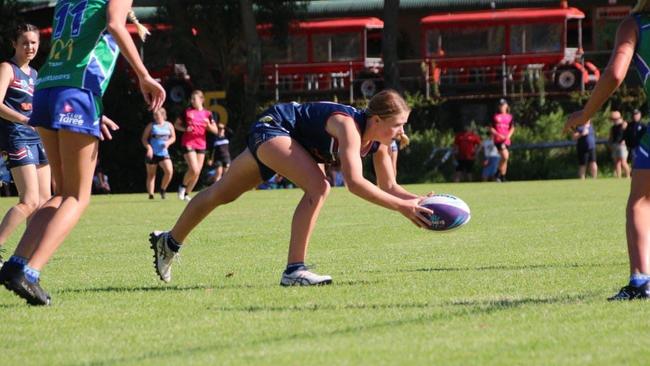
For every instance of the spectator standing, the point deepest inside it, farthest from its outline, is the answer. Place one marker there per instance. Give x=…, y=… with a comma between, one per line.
x=157, y=137
x=465, y=144
x=503, y=127
x=491, y=159
x=585, y=138
x=617, y=144
x=633, y=132
x=220, y=155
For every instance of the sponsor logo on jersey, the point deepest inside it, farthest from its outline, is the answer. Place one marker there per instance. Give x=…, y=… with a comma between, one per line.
x=59, y=46
x=68, y=116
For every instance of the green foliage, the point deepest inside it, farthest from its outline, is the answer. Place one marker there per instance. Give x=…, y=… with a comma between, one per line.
x=524, y=283
x=420, y=161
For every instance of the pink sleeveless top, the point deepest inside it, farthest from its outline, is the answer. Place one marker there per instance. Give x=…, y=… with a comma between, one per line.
x=198, y=121
x=502, y=123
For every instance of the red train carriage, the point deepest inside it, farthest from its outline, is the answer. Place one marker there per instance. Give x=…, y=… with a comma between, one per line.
x=504, y=47
x=324, y=55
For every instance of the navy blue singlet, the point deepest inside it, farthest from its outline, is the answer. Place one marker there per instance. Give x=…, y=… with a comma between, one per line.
x=306, y=124
x=19, y=98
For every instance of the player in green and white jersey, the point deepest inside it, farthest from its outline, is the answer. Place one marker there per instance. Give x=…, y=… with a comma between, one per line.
x=632, y=43
x=87, y=36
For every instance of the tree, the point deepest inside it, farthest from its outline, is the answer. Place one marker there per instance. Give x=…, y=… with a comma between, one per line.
x=10, y=15
x=389, y=44
x=253, y=59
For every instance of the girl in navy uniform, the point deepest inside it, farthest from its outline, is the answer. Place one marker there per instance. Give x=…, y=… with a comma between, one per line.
x=157, y=137
x=292, y=140
x=20, y=143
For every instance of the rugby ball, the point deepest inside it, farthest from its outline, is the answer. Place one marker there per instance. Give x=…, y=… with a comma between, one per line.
x=449, y=212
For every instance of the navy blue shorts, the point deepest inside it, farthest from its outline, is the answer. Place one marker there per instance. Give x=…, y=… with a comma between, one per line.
x=260, y=133
x=21, y=154
x=155, y=159
x=71, y=109
x=186, y=149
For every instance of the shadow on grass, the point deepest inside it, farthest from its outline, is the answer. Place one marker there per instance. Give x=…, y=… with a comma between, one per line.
x=163, y=288
x=506, y=267
x=502, y=303
x=14, y=306
x=460, y=309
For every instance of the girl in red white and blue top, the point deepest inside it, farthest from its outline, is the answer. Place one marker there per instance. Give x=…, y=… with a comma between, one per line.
x=20, y=143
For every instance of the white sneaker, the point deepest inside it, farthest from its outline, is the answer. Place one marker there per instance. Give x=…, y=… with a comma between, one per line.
x=302, y=277
x=187, y=198
x=181, y=193
x=163, y=257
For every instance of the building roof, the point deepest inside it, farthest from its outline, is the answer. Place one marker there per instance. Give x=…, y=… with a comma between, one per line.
x=331, y=25
x=147, y=9
x=513, y=16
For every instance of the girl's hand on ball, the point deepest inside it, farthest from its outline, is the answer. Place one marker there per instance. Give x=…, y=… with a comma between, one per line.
x=417, y=214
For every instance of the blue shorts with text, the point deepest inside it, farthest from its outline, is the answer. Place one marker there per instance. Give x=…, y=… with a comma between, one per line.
x=70, y=109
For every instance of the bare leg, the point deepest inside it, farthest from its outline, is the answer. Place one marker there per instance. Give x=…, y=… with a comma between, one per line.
x=503, y=163
x=582, y=170
x=44, y=183
x=192, y=168
x=218, y=172
x=638, y=216
x=626, y=168
x=196, y=172
x=75, y=156
x=617, y=168
x=151, y=178
x=168, y=172
x=26, y=179
x=243, y=176
x=305, y=173
x=593, y=169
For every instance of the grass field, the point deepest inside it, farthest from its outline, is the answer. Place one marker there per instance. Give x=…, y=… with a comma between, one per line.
x=524, y=282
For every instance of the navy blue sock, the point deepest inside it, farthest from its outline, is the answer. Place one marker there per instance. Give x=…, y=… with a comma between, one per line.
x=15, y=259
x=172, y=244
x=639, y=279
x=292, y=267
x=31, y=274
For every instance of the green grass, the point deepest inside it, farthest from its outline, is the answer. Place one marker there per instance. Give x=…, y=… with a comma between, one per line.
x=524, y=282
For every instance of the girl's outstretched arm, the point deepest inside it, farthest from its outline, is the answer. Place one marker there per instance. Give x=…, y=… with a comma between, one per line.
x=116, y=13
x=626, y=39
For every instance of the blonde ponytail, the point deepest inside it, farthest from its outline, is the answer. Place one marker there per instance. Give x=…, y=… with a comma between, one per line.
x=403, y=140
x=143, y=32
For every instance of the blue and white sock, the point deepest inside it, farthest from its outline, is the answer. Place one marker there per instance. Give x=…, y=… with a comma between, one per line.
x=292, y=267
x=32, y=275
x=16, y=259
x=172, y=244
x=639, y=279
